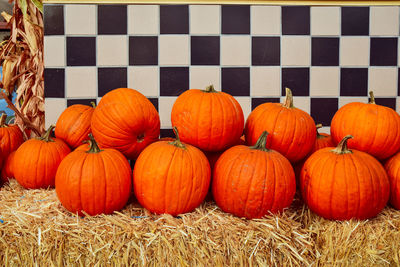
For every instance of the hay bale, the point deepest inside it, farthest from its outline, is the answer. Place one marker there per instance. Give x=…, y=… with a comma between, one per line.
x=36, y=230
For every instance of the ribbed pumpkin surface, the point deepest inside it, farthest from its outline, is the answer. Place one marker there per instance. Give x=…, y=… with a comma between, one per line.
x=11, y=137
x=7, y=170
x=392, y=167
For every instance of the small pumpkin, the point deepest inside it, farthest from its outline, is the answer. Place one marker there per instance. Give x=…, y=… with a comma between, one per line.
x=252, y=181
x=36, y=161
x=292, y=130
x=73, y=125
x=376, y=128
x=94, y=181
x=125, y=120
x=171, y=177
x=11, y=137
x=340, y=184
x=7, y=170
x=392, y=167
x=208, y=119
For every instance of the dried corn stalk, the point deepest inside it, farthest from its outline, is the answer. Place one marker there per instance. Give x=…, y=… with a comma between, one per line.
x=23, y=64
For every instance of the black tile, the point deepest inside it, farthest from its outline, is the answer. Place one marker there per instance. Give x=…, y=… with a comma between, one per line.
x=398, y=82
x=354, y=81
x=173, y=80
x=143, y=50
x=297, y=79
x=383, y=52
x=81, y=51
x=323, y=109
x=54, y=82
x=205, y=50
x=167, y=133
x=87, y=102
x=261, y=100
x=174, y=19
x=266, y=51
x=296, y=20
x=112, y=19
x=235, y=19
x=389, y=102
x=53, y=19
x=355, y=20
x=236, y=81
x=154, y=101
x=111, y=78
x=325, y=51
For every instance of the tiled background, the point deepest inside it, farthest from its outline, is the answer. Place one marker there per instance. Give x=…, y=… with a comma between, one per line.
x=328, y=56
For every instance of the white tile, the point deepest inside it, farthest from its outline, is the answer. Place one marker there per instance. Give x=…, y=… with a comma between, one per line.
x=324, y=81
x=296, y=51
x=235, y=50
x=398, y=104
x=345, y=100
x=165, y=107
x=81, y=82
x=112, y=50
x=383, y=81
x=143, y=19
x=53, y=109
x=205, y=19
x=203, y=76
x=80, y=19
x=384, y=20
x=301, y=102
x=245, y=103
x=54, y=51
x=265, y=20
x=325, y=20
x=354, y=51
x=173, y=50
x=265, y=81
x=144, y=79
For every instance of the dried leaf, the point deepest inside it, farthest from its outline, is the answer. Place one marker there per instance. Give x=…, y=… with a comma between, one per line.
x=38, y=4
x=23, y=6
x=6, y=16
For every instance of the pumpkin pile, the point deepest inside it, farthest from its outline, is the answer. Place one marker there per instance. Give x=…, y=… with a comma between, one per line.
x=247, y=166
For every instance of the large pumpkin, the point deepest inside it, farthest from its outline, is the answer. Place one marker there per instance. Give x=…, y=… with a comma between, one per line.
x=10, y=137
x=36, y=161
x=292, y=131
x=392, y=167
x=340, y=184
x=94, y=181
x=73, y=125
x=376, y=128
x=125, y=120
x=208, y=119
x=7, y=170
x=252, y=181
x=171, y=177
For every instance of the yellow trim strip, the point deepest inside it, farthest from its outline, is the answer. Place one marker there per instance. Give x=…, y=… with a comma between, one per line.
x=254, y=2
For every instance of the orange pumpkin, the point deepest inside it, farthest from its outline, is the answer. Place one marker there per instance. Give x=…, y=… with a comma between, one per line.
x=340, y=184
x=7, y=170
x=125, y=120
x=213, y=156
x=171, y=177
x=252, y=181
x=208, y=119
x=392, y=167
x=73, y=125
x=36, y=161
x=10, y=137
x=292, y=131
x=94, y=181
x=376, y=128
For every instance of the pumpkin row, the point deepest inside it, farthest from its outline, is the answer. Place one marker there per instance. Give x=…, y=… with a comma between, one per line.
x=173, y=176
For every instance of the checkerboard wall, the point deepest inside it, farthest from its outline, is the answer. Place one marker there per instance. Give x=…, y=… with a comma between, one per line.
x=328, y=56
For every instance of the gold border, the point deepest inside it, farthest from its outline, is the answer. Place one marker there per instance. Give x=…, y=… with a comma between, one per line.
x=235, y=2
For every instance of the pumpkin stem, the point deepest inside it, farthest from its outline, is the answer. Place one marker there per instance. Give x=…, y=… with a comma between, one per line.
x=319, y=126
x=3, y=120
x=342, y=146
x=372, y=98
x=288, y=99
x=177, y=141
x=261, y=142
x=210, y=89
x=93, y=147
x=47, y=135
x=93, y=104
